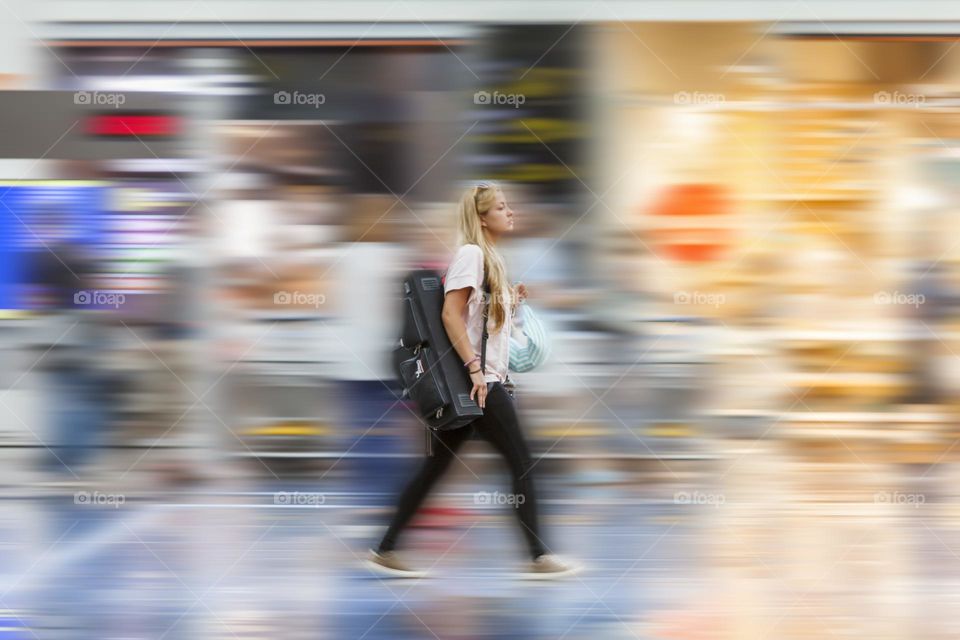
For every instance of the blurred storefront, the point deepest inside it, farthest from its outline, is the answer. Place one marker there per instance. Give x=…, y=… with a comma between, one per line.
x=794, y=197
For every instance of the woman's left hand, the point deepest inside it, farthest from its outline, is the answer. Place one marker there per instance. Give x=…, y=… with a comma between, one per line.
x=521, y=292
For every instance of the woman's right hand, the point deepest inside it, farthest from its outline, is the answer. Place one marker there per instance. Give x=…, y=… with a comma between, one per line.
x=479, y=388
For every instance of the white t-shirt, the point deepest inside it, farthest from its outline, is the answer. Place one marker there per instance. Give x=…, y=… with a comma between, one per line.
x=466, y=270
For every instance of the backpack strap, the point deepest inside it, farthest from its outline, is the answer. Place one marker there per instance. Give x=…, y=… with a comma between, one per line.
x=483, y=340
x=486, y=314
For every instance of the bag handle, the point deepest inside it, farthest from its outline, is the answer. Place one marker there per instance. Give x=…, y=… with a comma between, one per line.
x=483, y=340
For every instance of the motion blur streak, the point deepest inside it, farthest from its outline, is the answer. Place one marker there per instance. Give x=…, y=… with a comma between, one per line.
x=739, y=230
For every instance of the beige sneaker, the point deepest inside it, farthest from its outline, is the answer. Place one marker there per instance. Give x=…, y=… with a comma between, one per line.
x=388, y=564
x=549, y=567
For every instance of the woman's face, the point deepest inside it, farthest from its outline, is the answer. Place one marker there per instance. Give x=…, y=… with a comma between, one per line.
x=498, y=220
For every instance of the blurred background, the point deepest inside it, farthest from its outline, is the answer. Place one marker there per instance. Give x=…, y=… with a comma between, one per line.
x=738, y=220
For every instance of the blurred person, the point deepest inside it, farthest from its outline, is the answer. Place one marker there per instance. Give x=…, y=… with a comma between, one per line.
x=170, y=336
x=553, y=391
x=368, y=269
x=484, y=219
x=425, y=234
x=73, y=339
x=540, y=258
x=936, y=306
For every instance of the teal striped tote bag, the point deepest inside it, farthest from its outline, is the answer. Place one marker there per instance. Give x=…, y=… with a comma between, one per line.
x=529, y=343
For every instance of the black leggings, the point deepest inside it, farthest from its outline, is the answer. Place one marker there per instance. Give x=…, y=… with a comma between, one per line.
x=499, y=426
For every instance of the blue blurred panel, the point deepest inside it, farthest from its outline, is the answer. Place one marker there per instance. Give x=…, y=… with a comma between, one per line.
x=37, y=215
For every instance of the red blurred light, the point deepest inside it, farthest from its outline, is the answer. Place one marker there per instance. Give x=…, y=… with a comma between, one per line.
x=134, y=125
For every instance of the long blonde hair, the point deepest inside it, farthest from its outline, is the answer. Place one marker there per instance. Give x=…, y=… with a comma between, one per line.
x=475, y=203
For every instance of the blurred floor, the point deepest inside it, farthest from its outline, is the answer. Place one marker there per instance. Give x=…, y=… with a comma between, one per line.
x=724, y=551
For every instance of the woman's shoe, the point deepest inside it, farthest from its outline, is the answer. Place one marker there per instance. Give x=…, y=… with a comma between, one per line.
x=550, y=567
x=387, y=564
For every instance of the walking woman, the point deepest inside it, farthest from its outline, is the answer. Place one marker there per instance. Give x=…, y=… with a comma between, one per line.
x=484, y=218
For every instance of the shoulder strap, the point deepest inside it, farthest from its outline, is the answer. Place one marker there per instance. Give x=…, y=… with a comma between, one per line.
x=486, y=313
x=483, y=340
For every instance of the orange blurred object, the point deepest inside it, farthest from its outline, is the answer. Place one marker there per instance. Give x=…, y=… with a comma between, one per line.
x=700, y=237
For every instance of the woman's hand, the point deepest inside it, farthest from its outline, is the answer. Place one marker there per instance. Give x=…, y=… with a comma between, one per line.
x=521, y=292
x=479, y=388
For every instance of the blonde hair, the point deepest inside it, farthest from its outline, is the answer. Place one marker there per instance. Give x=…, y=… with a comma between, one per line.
x=474, y=204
